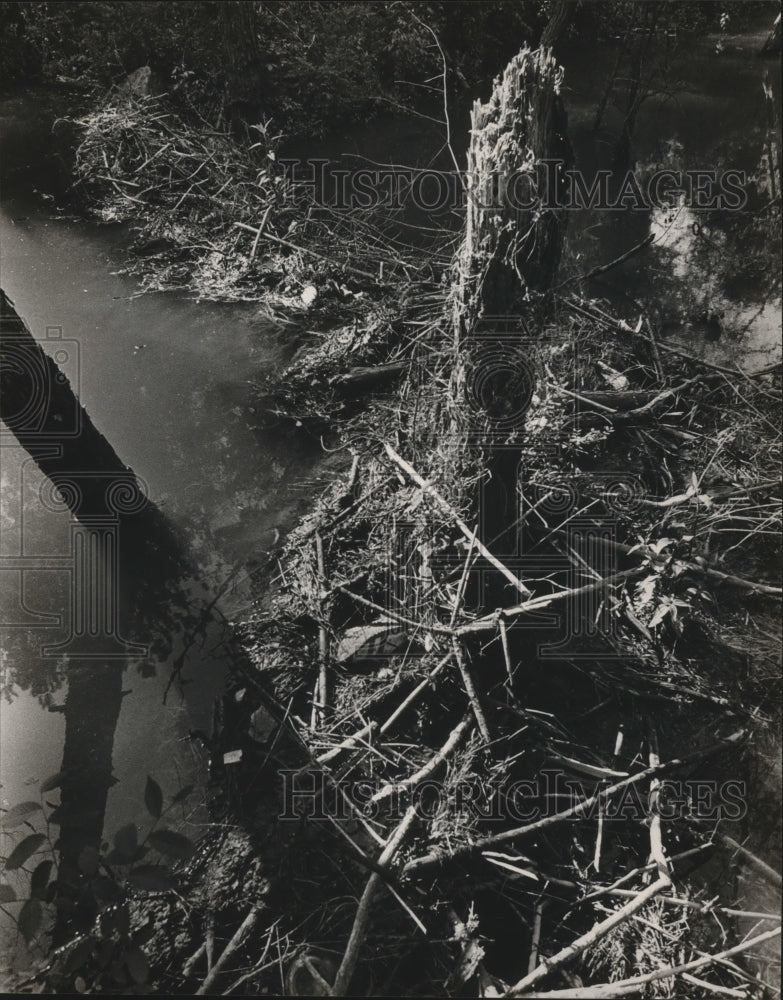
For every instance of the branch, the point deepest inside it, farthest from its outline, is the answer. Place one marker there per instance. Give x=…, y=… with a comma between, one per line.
x=455, y=738
x=345, y=972
x=429, y=489
x=624, y=987
x=591, y=937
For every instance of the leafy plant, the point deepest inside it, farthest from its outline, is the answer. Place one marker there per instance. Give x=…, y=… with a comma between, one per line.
x=106, y=954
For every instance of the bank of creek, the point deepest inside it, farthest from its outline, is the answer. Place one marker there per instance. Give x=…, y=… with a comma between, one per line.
x=181, y=389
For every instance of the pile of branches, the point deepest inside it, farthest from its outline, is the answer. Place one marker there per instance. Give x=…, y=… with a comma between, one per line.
x=512, y=733
x=222, y=219
x=506, y=703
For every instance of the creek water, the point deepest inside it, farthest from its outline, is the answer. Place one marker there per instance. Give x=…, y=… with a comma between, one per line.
x=166, y=379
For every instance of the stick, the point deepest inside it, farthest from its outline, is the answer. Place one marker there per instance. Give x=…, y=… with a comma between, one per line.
x=766, y=870
x=694, y=904
x=415, y=693
x=323, y=636
x=455, y=738
x=470, y=689
x=536, y=939
x=313, y=253
x=506, y=655
x=626, y=986
x=595, y=934
x=463, y=580
x=429, y=489
x=244, y=929
x=345, y=972
x=603, y=268
x=351, y=741
x=489, y=622
x=347, y=743
x=708, y=571
x=574, y=812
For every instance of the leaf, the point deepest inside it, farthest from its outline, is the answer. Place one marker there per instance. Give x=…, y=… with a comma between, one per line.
x=152, y=878
x=16, y=816
x=660, y=613
x=24, y=850
x=30, y=919
x=7, y=894
x=137, y=964
x=153, y=798
x=105, y=888
x=52, y=782
x=183, y=793
x=116, y=857
x=40, y=879
x=172, y=844
x=126, y=840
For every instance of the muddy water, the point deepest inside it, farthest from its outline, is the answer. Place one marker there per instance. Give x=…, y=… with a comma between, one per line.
x=166, y=380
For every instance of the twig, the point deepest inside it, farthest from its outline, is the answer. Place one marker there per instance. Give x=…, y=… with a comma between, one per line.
x=426, y=861
x=594, y=935
x=243, y=930
x=624, y=987
x=345, y=972
x=323, y=636
x=766, y=870
x=603, y=268
x=489, y=622
x=536, y=938
x=456, y=736
x=470, y=688
x=430, y=490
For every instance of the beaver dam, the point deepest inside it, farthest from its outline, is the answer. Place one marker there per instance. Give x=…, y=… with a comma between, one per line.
x=502, y=716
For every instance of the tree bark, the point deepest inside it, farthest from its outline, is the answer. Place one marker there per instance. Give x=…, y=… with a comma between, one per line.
x=514, y=234
x=245, y=73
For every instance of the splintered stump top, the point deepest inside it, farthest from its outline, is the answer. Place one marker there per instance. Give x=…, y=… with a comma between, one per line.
x=514, y=230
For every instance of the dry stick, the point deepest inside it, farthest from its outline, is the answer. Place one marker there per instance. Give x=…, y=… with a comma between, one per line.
x=506, y=654
x=351, y=741
x=313, y=253
x=463, y=580
x=260, y=230
x=624, y=987
x=574, y=812
x=470, y=689
x=594, y=935
x=415, y=693
x=244, y=929
x=536, y=940
x=430, y=627
x=725, y=991
x=323, y=637
x=456, y=736
x=489, y=622
x=191, y=963
x=371, y=864
x=603, y=268
x=694, y=904
x=345, y=972
x=766, y=870
x=429, y=489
